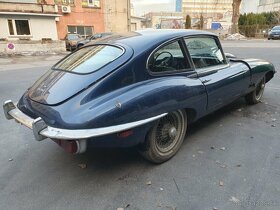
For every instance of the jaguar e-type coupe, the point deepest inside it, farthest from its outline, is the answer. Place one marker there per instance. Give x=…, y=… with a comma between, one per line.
x=139, y=89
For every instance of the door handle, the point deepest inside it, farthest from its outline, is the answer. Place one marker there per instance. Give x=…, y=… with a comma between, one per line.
x=205, y=81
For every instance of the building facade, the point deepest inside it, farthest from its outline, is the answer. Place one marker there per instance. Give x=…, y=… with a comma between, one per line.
x=53, y=19
x=164, y=20
x=249, y=6
x=268, y=6
x=84, y=17
x=117, y=15
x=214, y=9
x=25, y=20
x=137, y=23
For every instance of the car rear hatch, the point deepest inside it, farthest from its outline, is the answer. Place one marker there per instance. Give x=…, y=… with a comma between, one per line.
x=77, y=71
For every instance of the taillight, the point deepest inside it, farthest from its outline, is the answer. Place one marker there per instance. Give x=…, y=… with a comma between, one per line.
x=69, y=146
x=125, y=134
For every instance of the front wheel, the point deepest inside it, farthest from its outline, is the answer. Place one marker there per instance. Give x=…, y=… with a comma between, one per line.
x=164, y=139
x=255, y=96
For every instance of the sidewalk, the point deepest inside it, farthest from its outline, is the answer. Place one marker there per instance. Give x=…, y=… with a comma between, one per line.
x=25, y=62
x=251, y=43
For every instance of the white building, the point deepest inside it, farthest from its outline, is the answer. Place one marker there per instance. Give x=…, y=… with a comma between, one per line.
x=268, y=6
x=27, y=21
x=249, y=6
x=207, y=8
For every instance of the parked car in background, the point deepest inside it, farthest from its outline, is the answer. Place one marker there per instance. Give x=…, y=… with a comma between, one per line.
x=92, y=38
x=274, y=33
x=71, y=41
x=141, y=89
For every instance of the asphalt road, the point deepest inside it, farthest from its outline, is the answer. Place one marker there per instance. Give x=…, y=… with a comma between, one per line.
x=229, y=160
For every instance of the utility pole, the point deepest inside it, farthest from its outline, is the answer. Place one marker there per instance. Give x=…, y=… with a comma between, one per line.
x=128, y=15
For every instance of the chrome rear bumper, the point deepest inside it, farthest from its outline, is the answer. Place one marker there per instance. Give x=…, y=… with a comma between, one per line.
x=41, y=130
x=38, y=126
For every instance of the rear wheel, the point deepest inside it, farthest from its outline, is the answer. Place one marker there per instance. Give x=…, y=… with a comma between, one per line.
x=165, y=138
x=255, y=96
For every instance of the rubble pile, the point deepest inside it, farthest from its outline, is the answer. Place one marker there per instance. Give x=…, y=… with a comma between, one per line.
x=235, y=36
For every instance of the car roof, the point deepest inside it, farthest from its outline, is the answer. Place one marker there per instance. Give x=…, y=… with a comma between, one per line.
x=150, y=38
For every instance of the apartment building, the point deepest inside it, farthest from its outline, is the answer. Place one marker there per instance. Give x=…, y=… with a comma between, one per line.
x=84, y=17
x=268, y=6
x=214, y=9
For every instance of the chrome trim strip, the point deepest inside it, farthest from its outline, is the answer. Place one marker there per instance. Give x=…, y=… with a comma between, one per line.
x=41, y=130
x=65, y=134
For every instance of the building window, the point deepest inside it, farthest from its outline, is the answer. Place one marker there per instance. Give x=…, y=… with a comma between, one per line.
x=11, y=28
x=93, y=3
x=21, y=27
x=84, y=31
x=64, y=2
x=263, y=2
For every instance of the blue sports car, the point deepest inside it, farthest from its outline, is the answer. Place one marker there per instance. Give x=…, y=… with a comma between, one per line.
x=139, y=89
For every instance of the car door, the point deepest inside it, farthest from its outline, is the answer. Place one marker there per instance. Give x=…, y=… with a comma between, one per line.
x=223, y=82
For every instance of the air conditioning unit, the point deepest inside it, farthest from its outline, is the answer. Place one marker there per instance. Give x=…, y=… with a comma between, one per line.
x=66, y=9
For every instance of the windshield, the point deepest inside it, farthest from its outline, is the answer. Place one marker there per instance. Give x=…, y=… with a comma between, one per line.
x=276, y=28
x=89, y=59
x=73, y=36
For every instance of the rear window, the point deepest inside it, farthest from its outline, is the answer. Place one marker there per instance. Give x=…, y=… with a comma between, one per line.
x=89, y=59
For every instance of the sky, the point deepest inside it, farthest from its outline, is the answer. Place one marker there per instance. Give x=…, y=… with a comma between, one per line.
x=144, y=6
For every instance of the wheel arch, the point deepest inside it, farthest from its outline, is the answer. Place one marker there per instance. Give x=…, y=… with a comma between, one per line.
x=191, y=114
x=268, y=76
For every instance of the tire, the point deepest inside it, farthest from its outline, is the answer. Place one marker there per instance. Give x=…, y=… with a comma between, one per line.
x=255, y=96
x=165, y=138
x=79, y=46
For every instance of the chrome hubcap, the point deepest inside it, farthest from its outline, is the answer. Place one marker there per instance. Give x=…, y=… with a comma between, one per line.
x=168, y=132
x=172, y=132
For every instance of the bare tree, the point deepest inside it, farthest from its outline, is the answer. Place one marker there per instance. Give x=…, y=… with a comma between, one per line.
x=235, y=15
x=276, y=16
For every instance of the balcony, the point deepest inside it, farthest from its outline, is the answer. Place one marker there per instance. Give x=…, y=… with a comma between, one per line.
x=27, y=8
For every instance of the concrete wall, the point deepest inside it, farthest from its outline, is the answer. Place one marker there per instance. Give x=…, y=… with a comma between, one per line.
x=155, y=18
x=27, y=7
x=31, y=47
x=40, y=27
x=136, y=23
x=117, y=15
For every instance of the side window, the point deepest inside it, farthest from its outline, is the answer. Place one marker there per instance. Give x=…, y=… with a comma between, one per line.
x=169, y=58
x=204, y=52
